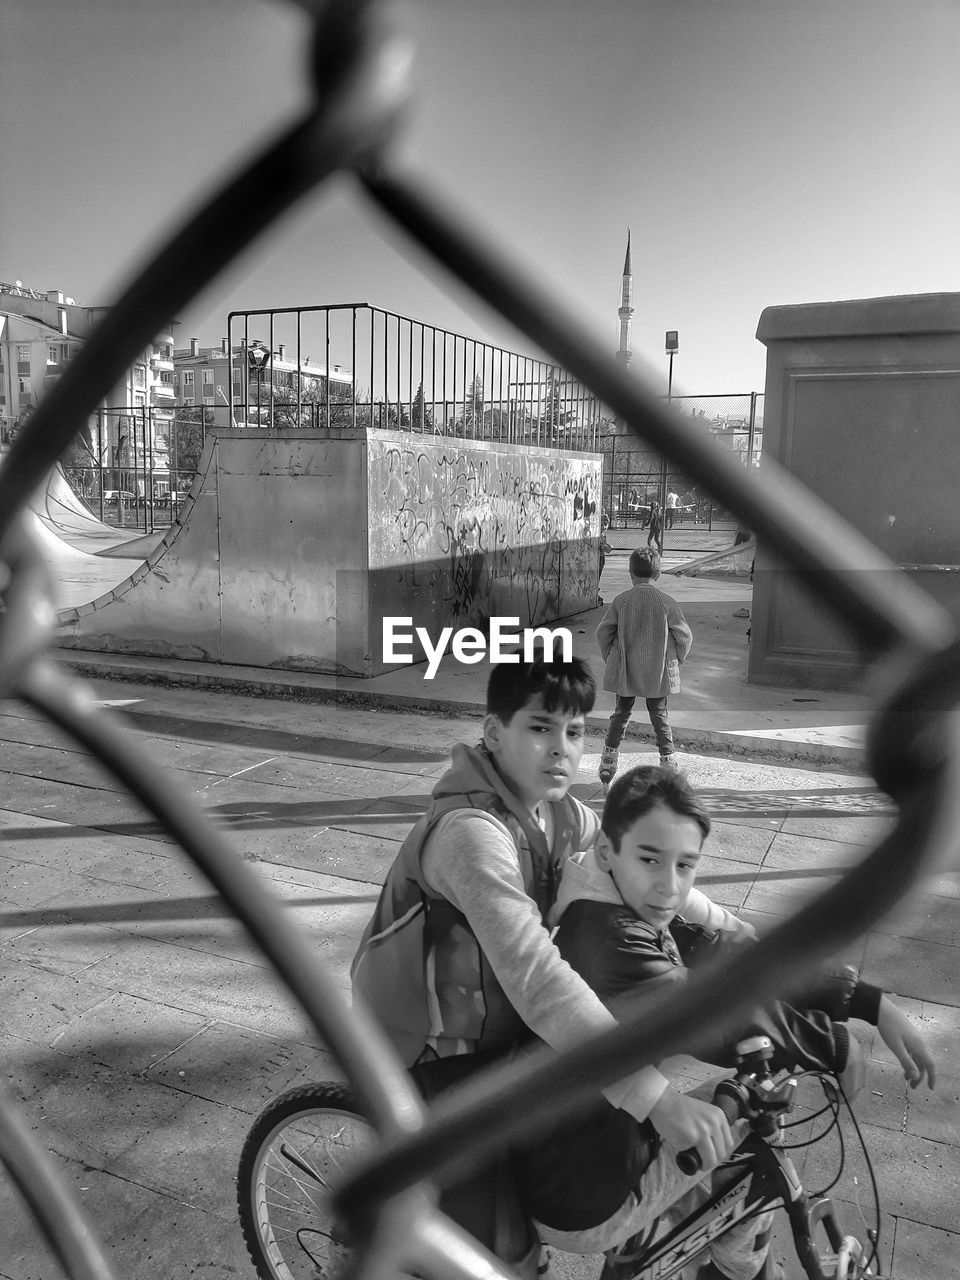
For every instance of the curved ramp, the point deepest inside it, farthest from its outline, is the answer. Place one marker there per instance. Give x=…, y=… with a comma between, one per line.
x=735, y=559
x=262, y=566
x=65, y=514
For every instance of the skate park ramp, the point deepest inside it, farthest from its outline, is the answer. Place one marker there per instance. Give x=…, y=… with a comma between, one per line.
x=66, y=516
x=87, y=558
x=294, y=547
x=732, y=561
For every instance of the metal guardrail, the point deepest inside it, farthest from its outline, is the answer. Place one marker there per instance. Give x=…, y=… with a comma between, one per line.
x=360, y=68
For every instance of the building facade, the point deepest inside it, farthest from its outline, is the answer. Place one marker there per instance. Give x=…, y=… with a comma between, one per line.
x=257, y=385
x=40, y=332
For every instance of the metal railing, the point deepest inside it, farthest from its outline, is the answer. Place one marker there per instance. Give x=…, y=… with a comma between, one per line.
x=381, y=369
x=360, y=69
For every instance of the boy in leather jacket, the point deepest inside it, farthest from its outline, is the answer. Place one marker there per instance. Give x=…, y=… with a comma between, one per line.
x=602, y=1177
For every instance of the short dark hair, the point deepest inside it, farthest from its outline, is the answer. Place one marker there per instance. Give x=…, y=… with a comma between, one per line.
x=645, y=563
x=564, y=686
x=639, y=790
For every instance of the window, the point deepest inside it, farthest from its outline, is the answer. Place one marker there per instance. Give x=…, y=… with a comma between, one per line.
x=139, y=375
x=188, y=379
x=139, y=399
x=23, y=353
x=53, y=356
x=25, y=386
x=208, y=377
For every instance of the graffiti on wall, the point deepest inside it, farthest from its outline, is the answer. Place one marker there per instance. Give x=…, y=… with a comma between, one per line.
x=485, y=530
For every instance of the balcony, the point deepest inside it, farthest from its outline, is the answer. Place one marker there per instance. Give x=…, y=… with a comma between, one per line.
x=162, y=393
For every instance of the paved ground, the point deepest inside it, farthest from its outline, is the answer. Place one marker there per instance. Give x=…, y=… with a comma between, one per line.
x=142, y=1032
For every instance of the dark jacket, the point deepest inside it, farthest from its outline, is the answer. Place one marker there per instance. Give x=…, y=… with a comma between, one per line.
x=582, y=1173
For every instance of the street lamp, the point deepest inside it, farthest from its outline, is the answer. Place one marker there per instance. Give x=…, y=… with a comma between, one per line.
x=672, y=346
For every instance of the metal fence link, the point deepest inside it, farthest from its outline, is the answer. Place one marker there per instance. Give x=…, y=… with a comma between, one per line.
x=360, y=64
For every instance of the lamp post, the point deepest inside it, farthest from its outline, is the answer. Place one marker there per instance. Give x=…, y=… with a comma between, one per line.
x=672, y=346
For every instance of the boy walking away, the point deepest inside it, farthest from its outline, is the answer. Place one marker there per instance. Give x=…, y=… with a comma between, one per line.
x=601, y=1177
x=643, y=639
x=457, y=962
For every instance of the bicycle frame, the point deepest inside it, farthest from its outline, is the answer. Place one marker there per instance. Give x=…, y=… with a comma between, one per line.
x=764, y=1179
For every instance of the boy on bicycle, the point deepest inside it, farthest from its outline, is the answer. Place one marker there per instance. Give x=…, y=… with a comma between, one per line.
x=457, y=962
x=602, y=1177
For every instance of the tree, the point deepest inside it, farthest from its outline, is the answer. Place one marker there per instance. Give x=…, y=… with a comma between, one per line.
x=421, y=419
x=471, y=422
x=187, y=437
x=321, y=405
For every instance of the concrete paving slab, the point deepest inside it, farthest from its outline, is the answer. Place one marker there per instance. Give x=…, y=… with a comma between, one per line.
x=242, y=1069
x=151, y=980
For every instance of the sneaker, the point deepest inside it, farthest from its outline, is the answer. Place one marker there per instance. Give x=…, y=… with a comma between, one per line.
x=669, y=762
x=609, y=759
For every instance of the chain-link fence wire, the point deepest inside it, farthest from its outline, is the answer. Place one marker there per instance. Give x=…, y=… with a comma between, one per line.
x=360, y=72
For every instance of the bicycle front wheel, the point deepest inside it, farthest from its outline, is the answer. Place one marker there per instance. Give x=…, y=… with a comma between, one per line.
x=296, y=1151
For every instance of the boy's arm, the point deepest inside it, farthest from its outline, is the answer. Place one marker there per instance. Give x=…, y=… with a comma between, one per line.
x=699, y=909
x=906, y=1044
x=474, y=865
x=607, y=631
x=679, y=630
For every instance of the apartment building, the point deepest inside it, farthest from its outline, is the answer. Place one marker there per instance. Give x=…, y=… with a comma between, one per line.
x=40, y=332
x=266, y=385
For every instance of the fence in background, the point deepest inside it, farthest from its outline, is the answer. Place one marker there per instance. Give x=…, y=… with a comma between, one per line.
x=351, y=366
x=635, y=475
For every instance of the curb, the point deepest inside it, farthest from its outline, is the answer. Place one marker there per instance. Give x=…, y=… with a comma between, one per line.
x=302, y=687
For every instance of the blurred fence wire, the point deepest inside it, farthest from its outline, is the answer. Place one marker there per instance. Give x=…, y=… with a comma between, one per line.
x=361, y=71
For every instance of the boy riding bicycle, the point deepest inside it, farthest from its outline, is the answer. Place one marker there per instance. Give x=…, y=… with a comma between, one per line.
x=457, y=962
x=602, y=1177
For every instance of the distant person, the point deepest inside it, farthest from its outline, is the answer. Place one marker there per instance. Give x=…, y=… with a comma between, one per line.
x=656, y=526
x=643, y=639
x=605, y=549
x=673, y=502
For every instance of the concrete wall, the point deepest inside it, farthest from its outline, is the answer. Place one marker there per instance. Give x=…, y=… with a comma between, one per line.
x=863, y=405
x=462, y=531
x=294, y=546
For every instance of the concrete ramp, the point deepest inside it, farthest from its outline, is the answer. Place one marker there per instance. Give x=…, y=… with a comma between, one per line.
x=65, y=515
x=292, y=548
x=732, y=560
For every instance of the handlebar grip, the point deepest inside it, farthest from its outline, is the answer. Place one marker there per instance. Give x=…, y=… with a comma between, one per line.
x=731, y=1104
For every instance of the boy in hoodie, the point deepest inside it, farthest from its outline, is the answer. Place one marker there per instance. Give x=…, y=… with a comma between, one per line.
x=457, y=962
x=602, y=1177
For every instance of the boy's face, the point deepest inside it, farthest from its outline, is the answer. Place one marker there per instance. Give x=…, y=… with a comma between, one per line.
x=538, y=752
x=656, y=866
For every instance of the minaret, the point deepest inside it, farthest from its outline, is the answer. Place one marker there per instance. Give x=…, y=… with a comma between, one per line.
x=626, y=307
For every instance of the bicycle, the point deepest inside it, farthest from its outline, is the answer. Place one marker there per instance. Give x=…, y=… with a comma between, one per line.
x=304, y=1140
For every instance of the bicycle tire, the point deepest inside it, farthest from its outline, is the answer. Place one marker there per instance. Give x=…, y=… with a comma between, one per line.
x=296, y=1150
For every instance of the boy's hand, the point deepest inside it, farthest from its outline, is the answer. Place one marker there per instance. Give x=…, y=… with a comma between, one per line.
x=689, y=1122
x=906, y=1044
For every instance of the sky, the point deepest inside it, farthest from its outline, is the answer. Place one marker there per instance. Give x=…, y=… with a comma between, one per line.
x=762, y=152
